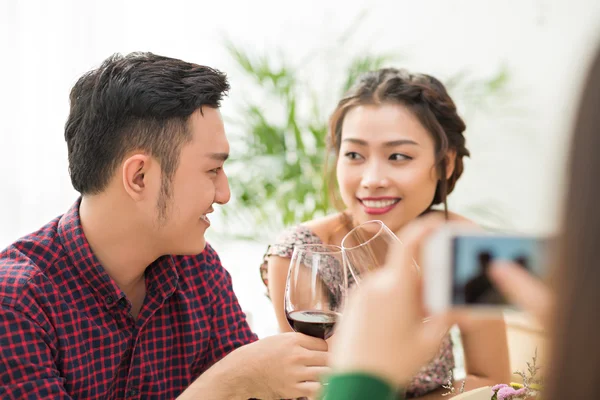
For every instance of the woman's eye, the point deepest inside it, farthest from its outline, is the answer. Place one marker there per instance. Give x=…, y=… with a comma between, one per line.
x=399, y=157
x=352, y=155
x=215, y=170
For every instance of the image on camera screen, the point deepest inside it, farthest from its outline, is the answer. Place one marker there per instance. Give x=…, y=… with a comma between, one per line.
x=473, y=255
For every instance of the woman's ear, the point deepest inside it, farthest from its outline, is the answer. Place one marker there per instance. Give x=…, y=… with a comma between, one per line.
x=450, y=162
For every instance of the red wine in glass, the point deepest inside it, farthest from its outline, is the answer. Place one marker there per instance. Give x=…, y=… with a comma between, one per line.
x=319, y=324
x=315, y=290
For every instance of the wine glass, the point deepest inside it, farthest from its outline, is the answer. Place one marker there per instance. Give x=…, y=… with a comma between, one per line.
x=315, y=291
x=365, y=248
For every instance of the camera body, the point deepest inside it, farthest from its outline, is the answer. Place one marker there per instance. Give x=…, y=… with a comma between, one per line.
x=456, y=259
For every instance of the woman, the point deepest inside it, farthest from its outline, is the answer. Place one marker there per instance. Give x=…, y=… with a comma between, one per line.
x=399, y=147
x=366, y=368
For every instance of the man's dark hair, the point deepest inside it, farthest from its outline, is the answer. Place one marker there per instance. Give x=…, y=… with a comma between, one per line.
x=140, y=101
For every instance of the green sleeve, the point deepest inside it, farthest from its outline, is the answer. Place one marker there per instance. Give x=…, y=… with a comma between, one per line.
x=359, y=386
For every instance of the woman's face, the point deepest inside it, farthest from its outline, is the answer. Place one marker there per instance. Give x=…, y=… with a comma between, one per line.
x=386, y=166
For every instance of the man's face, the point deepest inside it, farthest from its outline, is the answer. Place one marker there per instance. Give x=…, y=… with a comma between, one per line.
x=182, y=205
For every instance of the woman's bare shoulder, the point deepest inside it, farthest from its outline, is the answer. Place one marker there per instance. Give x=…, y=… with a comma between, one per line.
x=326, y=226
x=454, y=217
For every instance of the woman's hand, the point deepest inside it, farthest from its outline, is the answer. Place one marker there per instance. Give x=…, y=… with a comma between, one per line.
x=524, y=290
x=382, y=330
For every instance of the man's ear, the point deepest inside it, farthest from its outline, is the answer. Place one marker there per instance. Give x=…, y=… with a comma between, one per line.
x=134, y=177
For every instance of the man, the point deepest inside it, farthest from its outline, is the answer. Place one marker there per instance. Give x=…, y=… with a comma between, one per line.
x=121, y=297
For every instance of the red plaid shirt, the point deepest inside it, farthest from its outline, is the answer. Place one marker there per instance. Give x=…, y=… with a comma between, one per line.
x=66, y=331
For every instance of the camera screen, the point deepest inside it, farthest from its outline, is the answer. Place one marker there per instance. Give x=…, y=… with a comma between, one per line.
x=473, y=255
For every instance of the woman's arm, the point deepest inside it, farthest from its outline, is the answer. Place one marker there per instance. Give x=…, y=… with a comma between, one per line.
x=486, y=351
x=486, y=356
x=277, y=270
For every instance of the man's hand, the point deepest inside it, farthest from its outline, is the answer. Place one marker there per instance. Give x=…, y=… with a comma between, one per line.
x=288, y=365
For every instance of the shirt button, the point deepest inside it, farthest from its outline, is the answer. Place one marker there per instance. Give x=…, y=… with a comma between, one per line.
x=133, y=392
x=109, y=299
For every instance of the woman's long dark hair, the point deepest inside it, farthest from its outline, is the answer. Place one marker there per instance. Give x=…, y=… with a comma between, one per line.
x=575, y=359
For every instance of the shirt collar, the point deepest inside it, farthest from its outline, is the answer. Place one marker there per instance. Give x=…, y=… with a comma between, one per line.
x=161, y=274
x=83, y=259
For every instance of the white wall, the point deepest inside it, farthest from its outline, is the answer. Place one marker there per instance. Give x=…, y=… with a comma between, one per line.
x=517, y=161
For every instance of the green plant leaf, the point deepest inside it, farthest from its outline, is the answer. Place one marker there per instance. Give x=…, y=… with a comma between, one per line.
x=278, y=177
